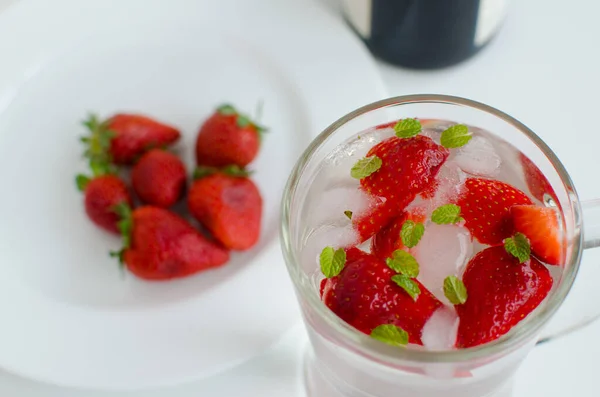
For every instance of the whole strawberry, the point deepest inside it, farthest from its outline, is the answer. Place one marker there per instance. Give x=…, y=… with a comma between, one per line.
x=123, y=138
x=158, y=178
x=228, y=204
x=102, y=196
x=485, y=205
x=159, y=245
x=365, y=295
x=227, y=138
x=501, y=293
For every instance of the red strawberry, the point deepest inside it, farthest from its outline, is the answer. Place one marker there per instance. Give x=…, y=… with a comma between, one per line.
x=388, y=239
x=158, y=178
x=228, y=137
x=102, y=195
x=124, y=137
x=501, y=292
x=364, y=296
x=536, y=181
x=485, y=206
x=408, y=167
x=540, y=225
x=380, y=213
x=229, y=206
x=160, y=245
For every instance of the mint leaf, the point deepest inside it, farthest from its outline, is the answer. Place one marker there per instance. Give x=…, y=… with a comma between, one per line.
x=518, y=246
x=82, y=181
x=407, y=128
x=390, y=334
x=411, y=233
x=408, y=284
x=332, y=261
x=348, y=214
x=365, y=167
x=455, y=290
x=446, y=214
x=456, y=136
x=404, y=263
x=226, y=110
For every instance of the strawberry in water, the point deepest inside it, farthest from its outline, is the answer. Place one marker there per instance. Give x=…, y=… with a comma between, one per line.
x=159, y=245
x=158, y=178
x=102, y=195
x=485, y=205
x=228, y=137
x=541, y=226
x=536, y=181
x=365, y=295
x=396, y=170
x=408, y=166
x=390, y=238
x=123, y=138
x=502, y=291
x=228, y=204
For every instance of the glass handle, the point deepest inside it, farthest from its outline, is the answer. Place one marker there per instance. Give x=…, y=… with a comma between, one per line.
x=580, y=300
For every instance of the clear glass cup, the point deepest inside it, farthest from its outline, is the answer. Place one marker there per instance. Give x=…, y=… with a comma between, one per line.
x=342, y=361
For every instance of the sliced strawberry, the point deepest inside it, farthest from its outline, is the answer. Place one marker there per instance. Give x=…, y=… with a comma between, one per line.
x=501, y=293
x=541, y=226
x=364, y=296
x=380, y=213
x=536, y=181
x=485, y=205
x=408, y=167
x=388, y=239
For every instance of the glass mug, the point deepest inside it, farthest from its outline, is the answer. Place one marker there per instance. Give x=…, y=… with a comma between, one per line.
x=342, y=361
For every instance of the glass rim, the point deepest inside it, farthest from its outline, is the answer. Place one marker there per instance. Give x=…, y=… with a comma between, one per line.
x=378, y=350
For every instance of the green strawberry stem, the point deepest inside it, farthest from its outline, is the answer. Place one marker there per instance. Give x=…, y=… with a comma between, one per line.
x=98, y=146
x=125, y=225
x=203, y=171
x=242, y=120
x=82, y=181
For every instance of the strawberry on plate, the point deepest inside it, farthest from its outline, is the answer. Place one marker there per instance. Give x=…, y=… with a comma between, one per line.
x=485, y=205
x=541, y=226
x=159, y=245
x=122, y=138
x=501, y=292
x=102, y=195
x=228, y=204
x=364, y=295
x=228, y=137
x=158, y=178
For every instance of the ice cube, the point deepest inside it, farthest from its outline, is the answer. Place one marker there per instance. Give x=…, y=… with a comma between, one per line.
x=326, y=236
x=444, y=250
x=439, y=332
x=478, y=157
x=329, y=206
x=449, y=184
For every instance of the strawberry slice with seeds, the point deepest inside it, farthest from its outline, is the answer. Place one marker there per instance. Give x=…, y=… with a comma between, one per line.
x=541, y=226
x=485, y=205
x=409, y=166
x=365, y=296
x=379, y=214
x=501, y=293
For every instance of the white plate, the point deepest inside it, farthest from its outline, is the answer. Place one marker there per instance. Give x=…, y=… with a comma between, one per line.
x=67, y=316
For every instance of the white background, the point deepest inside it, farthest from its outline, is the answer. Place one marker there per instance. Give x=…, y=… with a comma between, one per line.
x=543, y=69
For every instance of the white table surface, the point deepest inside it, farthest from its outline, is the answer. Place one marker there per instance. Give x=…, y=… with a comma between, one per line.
x=543, y=69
